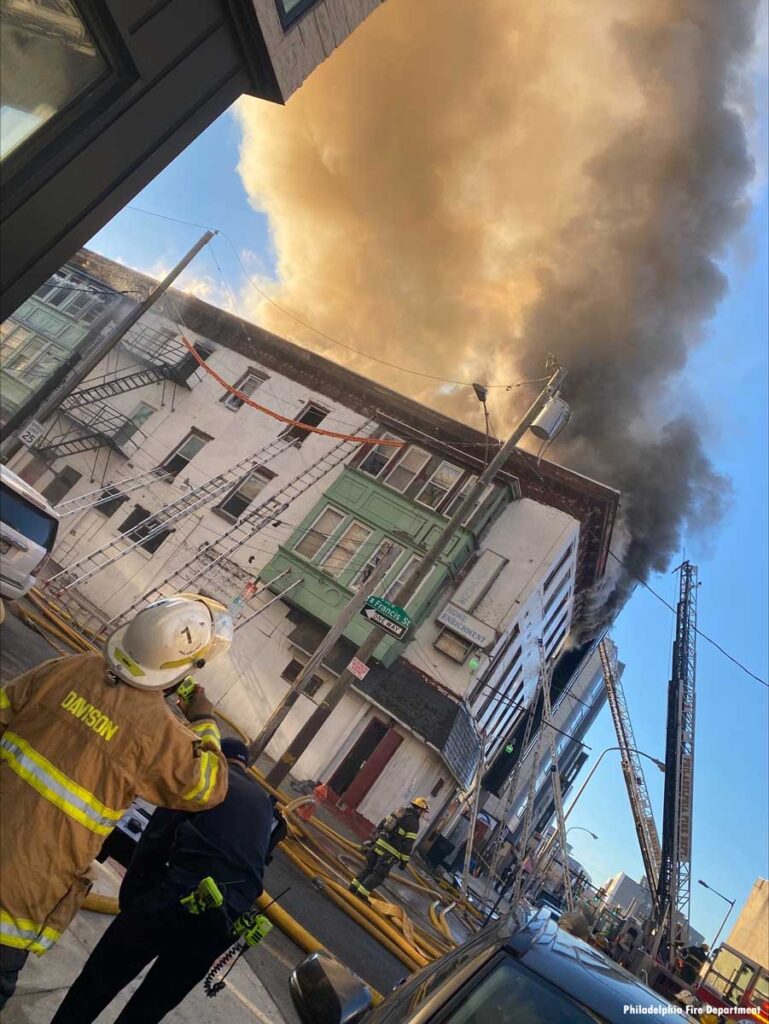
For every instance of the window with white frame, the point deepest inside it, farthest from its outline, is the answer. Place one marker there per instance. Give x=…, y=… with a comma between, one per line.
x=379, y=457
x=74, y=294
x=556, y=612
x=318, y=533
x=403, y=574
x=339, y=556
x=241, y=496
x=438, y=485
x=376, y=557
x=454, y=503
x=35, y=359
x=184, y=453
x=554, y=574
x=135, y=422
x=406, y=469
x=246, y=385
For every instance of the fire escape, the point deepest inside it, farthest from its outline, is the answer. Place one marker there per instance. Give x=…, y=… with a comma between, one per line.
x=88, y=422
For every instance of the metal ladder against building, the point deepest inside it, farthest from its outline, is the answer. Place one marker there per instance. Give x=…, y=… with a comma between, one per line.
x=547, y=714
x=241, y=532
x=107, y=492
x=632, y=770
x=513, y=790
x=95, y=561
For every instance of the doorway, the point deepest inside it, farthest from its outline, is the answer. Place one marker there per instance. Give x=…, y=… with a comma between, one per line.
x=364, y=764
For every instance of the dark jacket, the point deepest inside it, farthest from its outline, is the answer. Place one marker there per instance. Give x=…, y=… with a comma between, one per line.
x=230, y=843
x=397, y=833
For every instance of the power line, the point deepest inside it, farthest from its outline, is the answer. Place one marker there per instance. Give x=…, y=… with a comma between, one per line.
x=322, y=334
x=699, y=632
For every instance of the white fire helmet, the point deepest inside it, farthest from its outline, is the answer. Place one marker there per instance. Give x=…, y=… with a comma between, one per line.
x=167, y=639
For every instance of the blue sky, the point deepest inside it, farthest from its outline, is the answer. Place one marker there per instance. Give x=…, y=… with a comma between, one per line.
x=727, y=377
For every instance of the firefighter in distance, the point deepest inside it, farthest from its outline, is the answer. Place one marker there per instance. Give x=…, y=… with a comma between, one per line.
x=392, y=844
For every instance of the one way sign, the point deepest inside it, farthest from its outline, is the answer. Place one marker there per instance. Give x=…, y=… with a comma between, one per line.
x=395, y=629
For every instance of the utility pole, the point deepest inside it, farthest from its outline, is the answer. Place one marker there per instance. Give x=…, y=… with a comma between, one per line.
x=91, y=350
x=259, y=744
x=315, y=722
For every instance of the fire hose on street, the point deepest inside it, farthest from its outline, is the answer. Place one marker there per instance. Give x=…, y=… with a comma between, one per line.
x=327, y=858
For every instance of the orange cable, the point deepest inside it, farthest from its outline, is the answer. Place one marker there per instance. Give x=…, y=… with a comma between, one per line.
x=383, y=441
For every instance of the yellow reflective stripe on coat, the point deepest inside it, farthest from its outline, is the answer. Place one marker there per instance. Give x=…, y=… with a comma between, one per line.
x=5, y=702
x=56, y=787
x=209, y=770
x=382, y=846
x=206, y=730
x=407, y=835
x=23, y=934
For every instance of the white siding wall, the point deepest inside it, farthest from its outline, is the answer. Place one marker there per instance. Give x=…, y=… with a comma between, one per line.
x=533, y=538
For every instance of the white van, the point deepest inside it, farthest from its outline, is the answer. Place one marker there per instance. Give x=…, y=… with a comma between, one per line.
x=28, y=528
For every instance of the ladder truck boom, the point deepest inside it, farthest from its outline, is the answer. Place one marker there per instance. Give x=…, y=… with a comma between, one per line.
x=632, y=769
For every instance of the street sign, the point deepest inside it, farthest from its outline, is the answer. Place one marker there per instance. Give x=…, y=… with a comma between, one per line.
x=387, y=616
x=357, y=669
x=32, y=433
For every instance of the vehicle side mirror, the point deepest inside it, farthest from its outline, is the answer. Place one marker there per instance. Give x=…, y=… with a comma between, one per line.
x=324, y=991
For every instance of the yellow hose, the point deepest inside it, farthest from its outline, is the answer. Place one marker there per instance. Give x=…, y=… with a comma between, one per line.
x=99, y=904
x=373, y=930
x=303, y=851
x=409, y=952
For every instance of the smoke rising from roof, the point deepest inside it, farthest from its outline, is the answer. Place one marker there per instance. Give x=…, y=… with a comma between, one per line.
x=465, y=187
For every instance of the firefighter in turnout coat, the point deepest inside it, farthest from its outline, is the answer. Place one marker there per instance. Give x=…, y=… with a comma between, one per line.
x=392, y=844
x=80, y=737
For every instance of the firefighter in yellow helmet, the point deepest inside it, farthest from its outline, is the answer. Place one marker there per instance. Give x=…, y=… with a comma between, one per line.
x=80, y=737
x=395, y=836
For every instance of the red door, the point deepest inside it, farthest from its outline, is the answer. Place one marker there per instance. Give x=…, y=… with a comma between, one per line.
x=372, y=769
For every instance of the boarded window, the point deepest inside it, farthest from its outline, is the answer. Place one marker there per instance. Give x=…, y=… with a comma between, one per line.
x=61, y=484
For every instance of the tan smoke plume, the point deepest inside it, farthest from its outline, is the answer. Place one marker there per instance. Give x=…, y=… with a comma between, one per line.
x=467, y=185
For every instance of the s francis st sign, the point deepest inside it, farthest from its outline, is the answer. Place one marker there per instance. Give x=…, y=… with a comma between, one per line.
x=387, y=616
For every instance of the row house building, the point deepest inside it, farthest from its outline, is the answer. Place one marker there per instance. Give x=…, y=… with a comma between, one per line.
x=167, y=482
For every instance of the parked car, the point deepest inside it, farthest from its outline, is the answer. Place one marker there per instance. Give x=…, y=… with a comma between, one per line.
x=28, y=528
x=516, y=972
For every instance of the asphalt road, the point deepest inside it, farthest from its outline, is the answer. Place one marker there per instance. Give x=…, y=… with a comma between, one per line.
x=272, y=961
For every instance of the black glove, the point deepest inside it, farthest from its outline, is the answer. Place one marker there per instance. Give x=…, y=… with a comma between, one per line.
x=402, y=865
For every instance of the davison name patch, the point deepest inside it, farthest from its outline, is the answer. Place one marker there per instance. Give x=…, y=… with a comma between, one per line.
x=89, y=715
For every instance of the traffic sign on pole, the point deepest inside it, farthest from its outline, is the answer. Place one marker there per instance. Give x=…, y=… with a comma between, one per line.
x=387, y=616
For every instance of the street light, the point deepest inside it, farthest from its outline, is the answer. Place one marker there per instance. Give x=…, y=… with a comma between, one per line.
x=728, y=912
x=654, y=760
x=579, y=828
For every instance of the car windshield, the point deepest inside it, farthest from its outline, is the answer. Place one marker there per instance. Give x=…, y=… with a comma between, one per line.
x=511, y=994
x=26, y=519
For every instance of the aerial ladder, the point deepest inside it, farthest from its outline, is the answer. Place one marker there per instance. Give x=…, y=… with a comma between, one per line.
x=674, y=884
x=632, y=769
x=558, y=842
